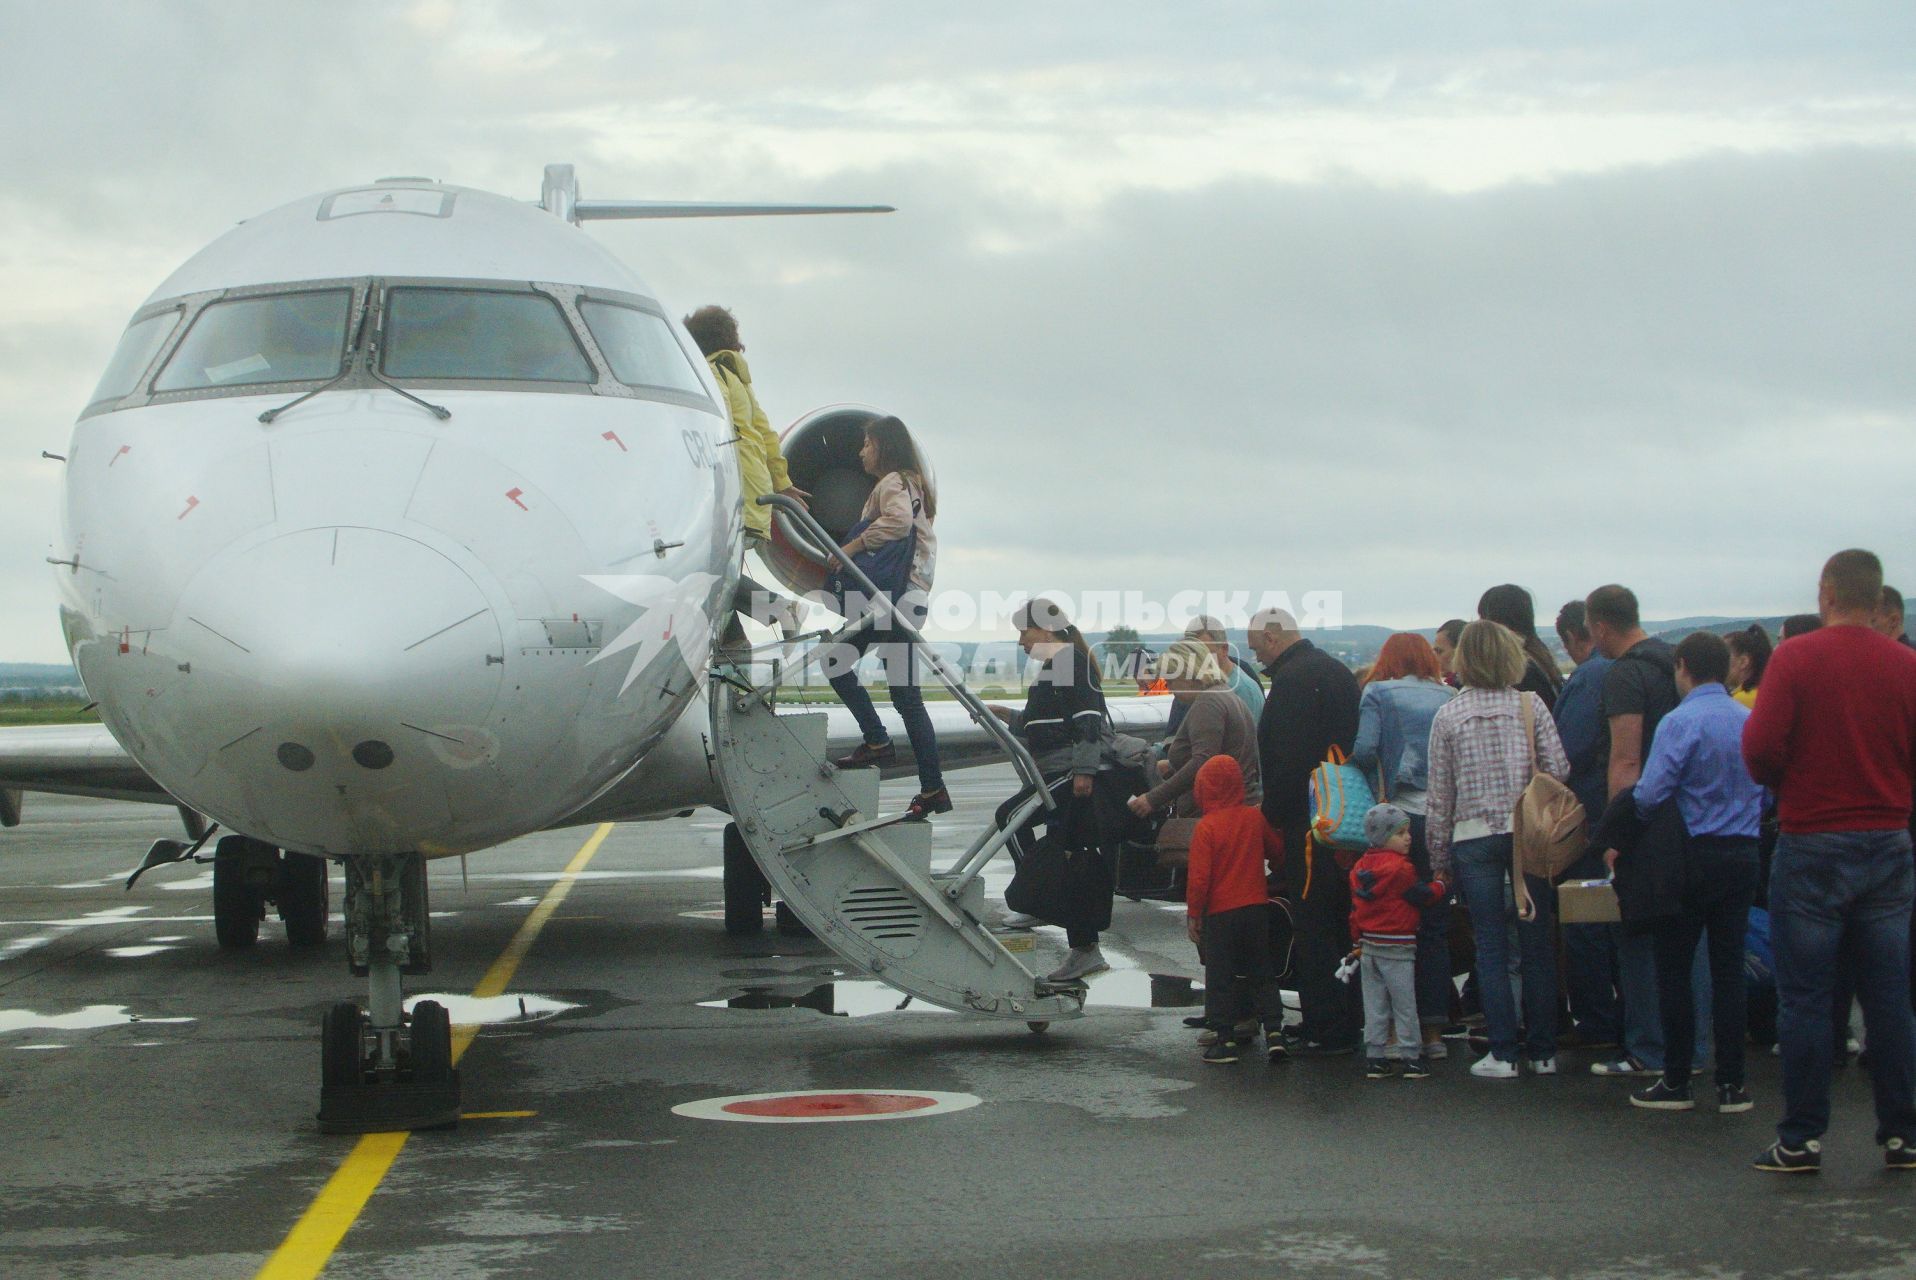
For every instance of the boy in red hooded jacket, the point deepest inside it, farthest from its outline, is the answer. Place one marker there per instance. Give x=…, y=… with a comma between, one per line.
x=1229, y=908
x=1387, y=902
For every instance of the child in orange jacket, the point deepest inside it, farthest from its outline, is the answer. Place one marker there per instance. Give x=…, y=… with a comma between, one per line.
x=1229, y=909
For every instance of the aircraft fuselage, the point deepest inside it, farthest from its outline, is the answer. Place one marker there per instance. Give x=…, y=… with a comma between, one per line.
x=361, y=628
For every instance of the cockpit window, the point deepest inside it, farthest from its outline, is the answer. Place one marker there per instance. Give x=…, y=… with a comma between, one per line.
x=138, y=345
x=282, y=337
x=639, y=346
x=480, y=335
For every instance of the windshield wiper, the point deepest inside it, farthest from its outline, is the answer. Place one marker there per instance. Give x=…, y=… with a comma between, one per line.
x=372, y=367
x=345, y=364
x=366, y=310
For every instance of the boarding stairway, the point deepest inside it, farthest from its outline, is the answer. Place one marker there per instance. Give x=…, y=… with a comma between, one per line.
x=859, y=879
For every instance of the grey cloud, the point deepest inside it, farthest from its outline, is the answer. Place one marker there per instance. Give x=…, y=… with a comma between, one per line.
x=1690, y=376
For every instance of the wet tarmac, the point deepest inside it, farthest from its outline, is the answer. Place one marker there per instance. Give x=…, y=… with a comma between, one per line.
x=157, y=1098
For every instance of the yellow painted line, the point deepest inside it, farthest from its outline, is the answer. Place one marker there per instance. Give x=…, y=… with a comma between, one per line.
x=310, y=1244
x=497, y=1115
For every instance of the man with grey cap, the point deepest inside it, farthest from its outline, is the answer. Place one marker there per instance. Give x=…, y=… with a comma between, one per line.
x=1387, y=901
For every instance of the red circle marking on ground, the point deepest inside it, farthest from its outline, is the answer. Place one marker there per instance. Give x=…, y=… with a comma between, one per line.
x=831, y=1104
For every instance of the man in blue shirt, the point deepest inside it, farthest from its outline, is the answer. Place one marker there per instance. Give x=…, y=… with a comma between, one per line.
x=1589, y=950
x=1696, y=762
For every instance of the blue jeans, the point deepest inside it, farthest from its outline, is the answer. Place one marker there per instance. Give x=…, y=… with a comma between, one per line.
x=1846, y=892
x=1483, y=870
x=901, y=676
x=1642, y=1007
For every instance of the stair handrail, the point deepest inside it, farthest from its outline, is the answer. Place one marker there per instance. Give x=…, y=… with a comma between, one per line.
x=1021, y=760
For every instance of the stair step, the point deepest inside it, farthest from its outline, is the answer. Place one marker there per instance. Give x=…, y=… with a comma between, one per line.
x=867, y=894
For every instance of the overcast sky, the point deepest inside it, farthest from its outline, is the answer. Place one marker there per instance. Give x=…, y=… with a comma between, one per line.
x=1398, y=300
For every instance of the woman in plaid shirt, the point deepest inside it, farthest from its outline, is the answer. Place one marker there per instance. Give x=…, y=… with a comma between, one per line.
x=1479, y=767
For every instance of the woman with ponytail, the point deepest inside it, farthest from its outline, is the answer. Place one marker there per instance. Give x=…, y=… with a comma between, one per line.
x=1064, y=724
x=1749, y=653
x=1511, y=605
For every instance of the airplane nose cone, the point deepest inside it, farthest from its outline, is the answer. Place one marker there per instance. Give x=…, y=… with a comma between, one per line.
x=349, y=669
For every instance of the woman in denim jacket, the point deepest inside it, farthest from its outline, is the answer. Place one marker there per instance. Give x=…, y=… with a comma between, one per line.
x=1399, y=701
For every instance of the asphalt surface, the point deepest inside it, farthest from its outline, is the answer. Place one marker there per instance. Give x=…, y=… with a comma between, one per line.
x=183, y=1143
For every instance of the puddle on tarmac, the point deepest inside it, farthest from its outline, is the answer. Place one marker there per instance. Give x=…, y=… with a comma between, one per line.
x=487, y=1011
x=862, y=997
x=844, y=998
x=90, y=1018
x=788, y=976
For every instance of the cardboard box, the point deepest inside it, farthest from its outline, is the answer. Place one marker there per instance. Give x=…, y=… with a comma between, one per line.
x=1588, y=902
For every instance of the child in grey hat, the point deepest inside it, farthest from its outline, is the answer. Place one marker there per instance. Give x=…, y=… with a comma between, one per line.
x=1387, y=900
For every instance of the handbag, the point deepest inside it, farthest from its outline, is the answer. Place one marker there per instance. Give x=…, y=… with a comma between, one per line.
x=888, y=564
x=1061, y=885
x=1549, y=829
x=1173, y=841
x=1340, y=797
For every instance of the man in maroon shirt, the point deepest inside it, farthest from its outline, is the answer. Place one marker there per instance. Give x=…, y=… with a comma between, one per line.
x=1834, y=734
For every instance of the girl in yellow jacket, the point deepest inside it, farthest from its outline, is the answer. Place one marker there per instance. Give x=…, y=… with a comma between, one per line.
x=761, y=466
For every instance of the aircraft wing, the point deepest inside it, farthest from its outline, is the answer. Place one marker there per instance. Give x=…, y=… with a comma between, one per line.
x=73, y=759
x=677, y=775
x=964, y=745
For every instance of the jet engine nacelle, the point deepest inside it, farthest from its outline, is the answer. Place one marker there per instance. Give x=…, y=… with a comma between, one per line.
x=821, y=452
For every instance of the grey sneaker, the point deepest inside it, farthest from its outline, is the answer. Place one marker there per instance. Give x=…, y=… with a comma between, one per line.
x=1081, y=963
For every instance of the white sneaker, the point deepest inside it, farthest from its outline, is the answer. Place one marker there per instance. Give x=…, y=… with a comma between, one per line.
x=1491, y=1067
x=1081, y=963
x=1437, y=1051
x=1543, y=1066
x=1019, y=920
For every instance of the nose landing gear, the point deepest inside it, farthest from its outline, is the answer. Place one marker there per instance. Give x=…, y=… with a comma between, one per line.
x=380, y=1069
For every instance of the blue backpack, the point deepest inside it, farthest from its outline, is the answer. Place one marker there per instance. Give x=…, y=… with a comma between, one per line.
x=1340, y=797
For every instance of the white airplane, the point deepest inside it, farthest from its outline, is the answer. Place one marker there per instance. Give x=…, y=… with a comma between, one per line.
x=403, y=523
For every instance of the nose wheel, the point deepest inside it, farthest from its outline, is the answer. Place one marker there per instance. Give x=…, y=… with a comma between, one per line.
x=382, y=1069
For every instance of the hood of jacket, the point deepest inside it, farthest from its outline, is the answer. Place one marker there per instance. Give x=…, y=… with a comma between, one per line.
x=1219, y=784
x=732, y=362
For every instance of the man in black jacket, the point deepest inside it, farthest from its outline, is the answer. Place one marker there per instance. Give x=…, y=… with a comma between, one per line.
x=1310, y=707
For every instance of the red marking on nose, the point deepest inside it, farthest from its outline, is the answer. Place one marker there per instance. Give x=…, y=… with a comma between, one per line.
x=191, y=502
x=613, y=436
x=125, y=448
x=513, y=495
x=831, y=1104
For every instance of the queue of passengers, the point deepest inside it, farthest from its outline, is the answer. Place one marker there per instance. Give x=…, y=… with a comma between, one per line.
x=1715, y=774
x=1681, y=766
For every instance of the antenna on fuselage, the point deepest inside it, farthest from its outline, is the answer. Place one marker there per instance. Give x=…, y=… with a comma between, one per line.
x=559, y=196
